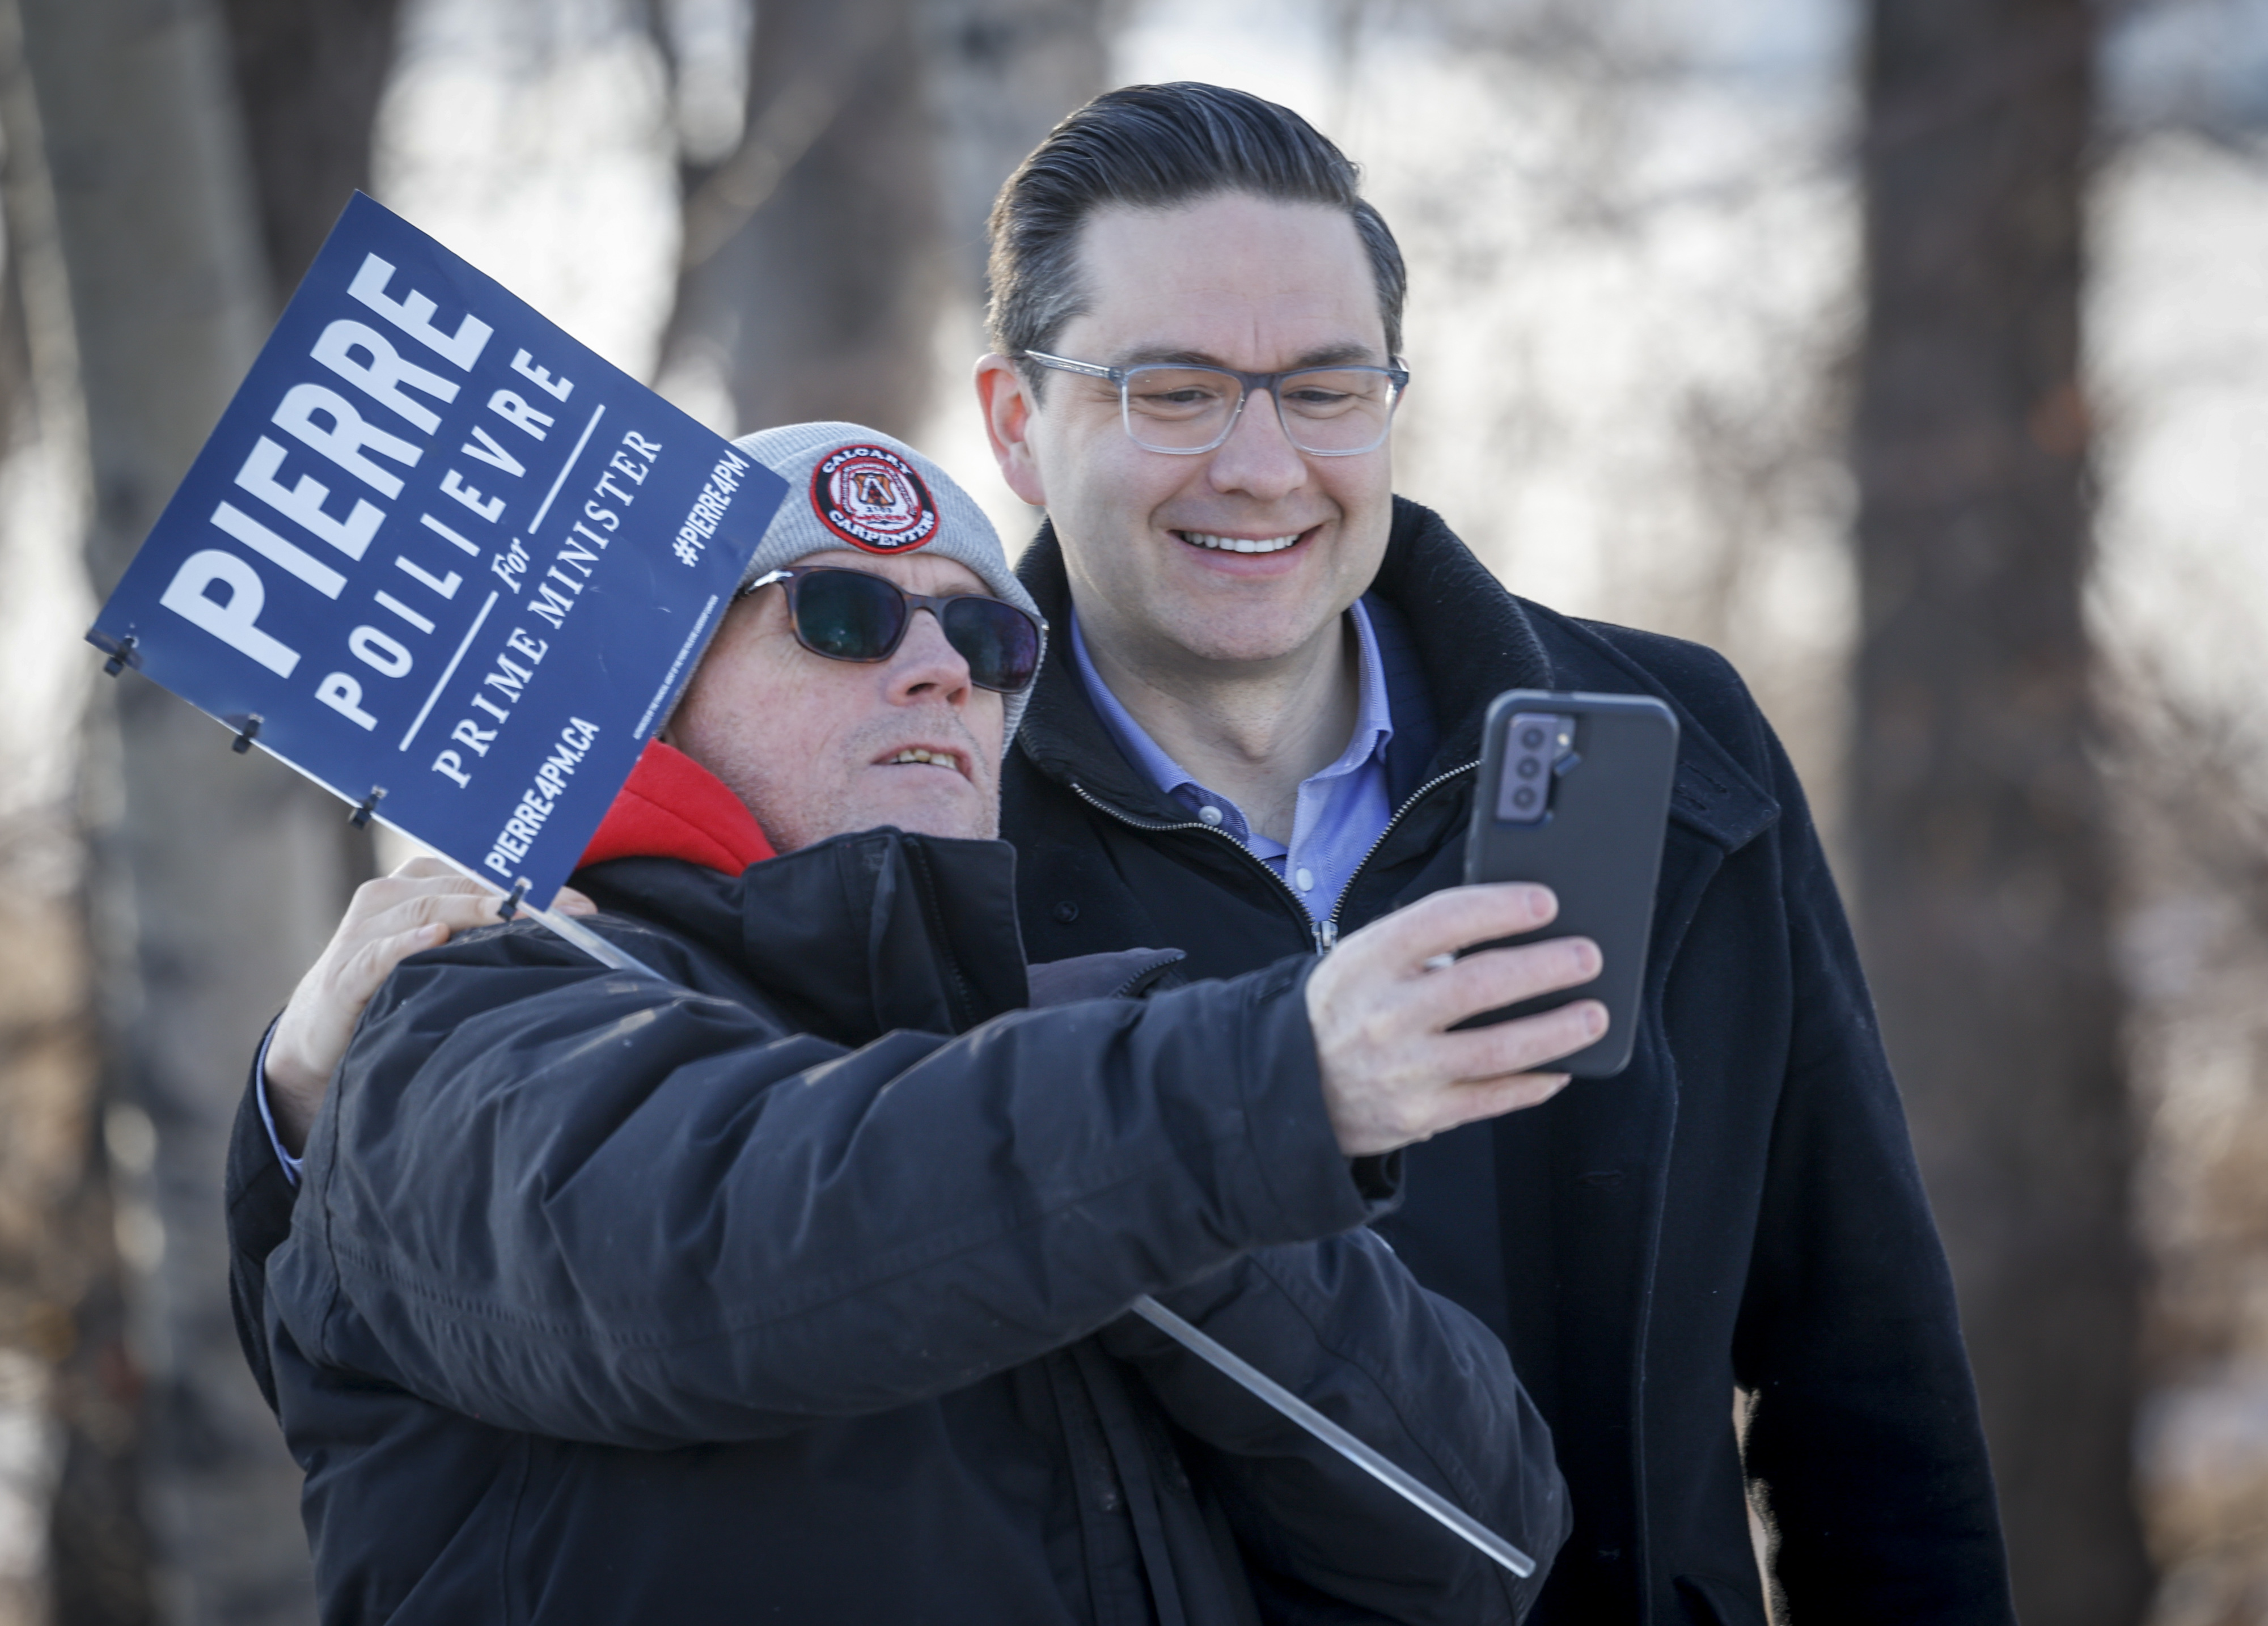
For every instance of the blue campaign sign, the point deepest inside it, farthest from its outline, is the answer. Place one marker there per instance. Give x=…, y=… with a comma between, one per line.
x=439, y=554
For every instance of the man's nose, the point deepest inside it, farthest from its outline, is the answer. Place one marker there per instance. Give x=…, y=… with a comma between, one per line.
x=1258, y=458
x=925, y=666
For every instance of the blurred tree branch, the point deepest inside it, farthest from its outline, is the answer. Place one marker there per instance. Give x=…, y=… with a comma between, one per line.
x=308, y=78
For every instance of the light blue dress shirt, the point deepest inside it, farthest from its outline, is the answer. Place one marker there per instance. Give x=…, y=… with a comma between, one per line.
x=1342, y=810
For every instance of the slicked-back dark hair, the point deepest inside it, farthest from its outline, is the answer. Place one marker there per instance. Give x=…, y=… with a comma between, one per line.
x=1161, y=146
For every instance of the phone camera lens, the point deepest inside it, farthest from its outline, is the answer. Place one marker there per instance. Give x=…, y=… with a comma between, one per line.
x=1528, y=765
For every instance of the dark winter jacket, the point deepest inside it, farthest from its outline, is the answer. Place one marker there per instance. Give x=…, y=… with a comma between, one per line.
x=1739, y=1208
x=757, y=1294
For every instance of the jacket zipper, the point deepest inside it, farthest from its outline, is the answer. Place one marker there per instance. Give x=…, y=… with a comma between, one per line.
x=1276, y=882
x=1328, y=933
x=1324, y=933
x=958, y=995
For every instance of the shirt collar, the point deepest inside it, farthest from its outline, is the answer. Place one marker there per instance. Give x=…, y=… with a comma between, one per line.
x=1374, y=722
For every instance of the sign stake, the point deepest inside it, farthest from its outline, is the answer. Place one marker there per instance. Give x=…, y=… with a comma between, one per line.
x=1389, y=1473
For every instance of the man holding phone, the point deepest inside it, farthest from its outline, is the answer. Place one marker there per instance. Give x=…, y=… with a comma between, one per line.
x=1261, y=732
x=1265, y=736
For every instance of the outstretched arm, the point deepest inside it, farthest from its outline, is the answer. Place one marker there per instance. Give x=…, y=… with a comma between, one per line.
x=598, y=1207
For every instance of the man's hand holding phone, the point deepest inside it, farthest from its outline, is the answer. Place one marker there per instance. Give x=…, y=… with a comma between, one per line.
x=1573, y=794
x=1384, y=1005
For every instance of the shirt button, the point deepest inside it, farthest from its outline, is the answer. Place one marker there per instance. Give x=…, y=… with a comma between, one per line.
x=1306, y=879
x=1209, y=813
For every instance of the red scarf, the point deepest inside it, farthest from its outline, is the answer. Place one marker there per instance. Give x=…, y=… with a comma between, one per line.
x=671, y=808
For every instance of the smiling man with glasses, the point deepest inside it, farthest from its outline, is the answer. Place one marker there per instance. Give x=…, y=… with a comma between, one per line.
x=1265, y=736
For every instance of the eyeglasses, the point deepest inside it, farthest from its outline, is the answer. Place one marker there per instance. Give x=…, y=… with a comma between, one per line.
x=1183, y=410
x=853, y=616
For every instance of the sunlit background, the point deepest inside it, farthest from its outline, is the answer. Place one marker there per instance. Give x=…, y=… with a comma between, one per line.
x=1634, y=234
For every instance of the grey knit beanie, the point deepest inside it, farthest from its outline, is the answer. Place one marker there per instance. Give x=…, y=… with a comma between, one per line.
x=849, y=487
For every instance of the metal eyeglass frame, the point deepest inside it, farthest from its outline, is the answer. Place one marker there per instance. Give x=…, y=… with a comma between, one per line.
x=792, y=576
x=1267, y=383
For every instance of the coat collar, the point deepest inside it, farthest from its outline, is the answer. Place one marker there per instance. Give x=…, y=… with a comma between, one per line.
x=1711, y=793
x=1062, y=735
x=850, y=938
x=1474, y=639
x=840, y=928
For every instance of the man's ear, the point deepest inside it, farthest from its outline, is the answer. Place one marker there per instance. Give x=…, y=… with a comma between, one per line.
x=1008, y=407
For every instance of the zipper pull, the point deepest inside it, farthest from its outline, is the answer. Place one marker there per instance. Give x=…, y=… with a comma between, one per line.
x=1327, y=936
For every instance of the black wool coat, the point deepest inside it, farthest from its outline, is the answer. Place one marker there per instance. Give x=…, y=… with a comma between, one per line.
x=1740, y=1208
x=790, y=1287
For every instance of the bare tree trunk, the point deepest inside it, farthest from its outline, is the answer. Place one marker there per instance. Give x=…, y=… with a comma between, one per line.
x=217, y=876
x=812, y=269
x=64, y=1277
x=308, y=78
x=822, y=254
x=1983, y=854
x=1002, y=73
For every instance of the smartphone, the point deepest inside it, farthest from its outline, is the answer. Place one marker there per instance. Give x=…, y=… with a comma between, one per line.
x=1574, y=793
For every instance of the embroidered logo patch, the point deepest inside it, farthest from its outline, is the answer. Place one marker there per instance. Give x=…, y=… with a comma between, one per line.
x=871, y=499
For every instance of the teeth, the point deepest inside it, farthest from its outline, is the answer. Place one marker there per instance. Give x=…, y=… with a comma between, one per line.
x=915, y=754
x=1241, y=544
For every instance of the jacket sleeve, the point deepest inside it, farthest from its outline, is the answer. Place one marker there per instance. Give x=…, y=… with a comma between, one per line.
x=1344, y=1325
x=1865, y=1432
x=604, y=1208
x=257, y=1201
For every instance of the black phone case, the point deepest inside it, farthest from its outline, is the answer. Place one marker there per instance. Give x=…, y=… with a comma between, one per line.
x=1598, y=846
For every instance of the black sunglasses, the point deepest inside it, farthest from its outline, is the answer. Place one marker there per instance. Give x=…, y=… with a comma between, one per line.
x=850, y=615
